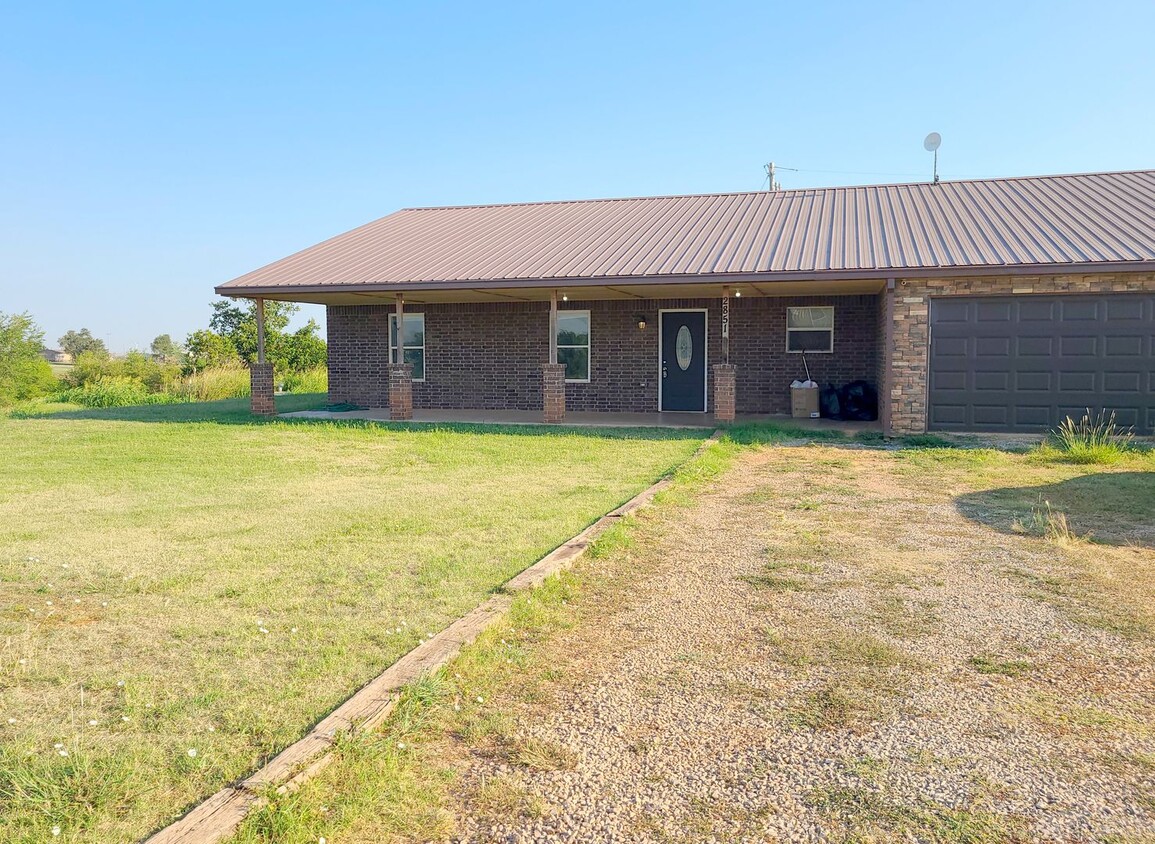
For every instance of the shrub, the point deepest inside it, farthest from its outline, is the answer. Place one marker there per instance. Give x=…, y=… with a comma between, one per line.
x=315, y=380
x=157, y=377
x=24, y=374
x=114, y=391
x=1093, y=439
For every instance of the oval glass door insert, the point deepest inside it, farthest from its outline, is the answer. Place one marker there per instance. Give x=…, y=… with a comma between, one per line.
x=684, y=347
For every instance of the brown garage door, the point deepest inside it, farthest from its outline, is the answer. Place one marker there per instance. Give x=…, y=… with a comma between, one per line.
x=1023, y=363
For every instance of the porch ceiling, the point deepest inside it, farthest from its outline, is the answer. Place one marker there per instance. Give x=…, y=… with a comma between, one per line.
x=584, y=293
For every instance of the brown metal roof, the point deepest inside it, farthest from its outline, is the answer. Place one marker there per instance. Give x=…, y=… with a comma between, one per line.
x=1047, y=222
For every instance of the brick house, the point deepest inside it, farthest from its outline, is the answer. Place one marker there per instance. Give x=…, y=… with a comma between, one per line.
x=986, y=305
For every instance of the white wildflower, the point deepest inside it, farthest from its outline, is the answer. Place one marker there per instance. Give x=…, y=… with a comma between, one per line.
x=400, y=745
x=192, y=752
x=92, y=722
x=11, y=720
x=123, y=717
x=62, y=752
x=55, y=831
x=480, y=699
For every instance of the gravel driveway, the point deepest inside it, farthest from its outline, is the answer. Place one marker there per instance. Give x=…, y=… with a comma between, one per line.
x=823, y=647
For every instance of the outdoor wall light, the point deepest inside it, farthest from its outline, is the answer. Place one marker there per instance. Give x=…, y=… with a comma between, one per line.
x=737, y=294
x=641, y=320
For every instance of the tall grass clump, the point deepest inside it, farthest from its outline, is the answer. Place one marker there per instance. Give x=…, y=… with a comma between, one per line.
x=1093, y=439
x=228, y=381
x=314, y=380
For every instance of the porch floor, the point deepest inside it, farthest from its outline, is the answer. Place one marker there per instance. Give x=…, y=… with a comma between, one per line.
x=590, y=420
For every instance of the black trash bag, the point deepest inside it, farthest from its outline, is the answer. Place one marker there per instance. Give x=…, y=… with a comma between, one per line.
x=829, y=402
x=859, y=402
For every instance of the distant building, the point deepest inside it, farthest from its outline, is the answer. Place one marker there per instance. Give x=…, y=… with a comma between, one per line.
x=55, y=356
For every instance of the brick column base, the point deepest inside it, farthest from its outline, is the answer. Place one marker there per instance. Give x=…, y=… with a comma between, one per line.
x=553, y=392
x=400, y=391
x=261, y=379
x=725, y=396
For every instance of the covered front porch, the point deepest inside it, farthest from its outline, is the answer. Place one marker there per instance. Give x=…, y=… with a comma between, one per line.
x=685, y=354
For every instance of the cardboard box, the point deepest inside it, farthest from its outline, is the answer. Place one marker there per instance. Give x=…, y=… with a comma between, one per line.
x=804, y=402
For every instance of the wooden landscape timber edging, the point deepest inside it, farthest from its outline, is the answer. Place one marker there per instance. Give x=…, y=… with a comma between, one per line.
x=218, y=816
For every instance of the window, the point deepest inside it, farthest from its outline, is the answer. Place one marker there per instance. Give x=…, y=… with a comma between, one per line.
x=573, y=344
x=414, y=342
x=810, y=329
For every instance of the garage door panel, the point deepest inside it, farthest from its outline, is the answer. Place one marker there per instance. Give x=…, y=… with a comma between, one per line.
x=1033, y=382
x=1126, y=346
x=993, y=311
x=952, y=415
x=1043, y=346
x=1042, y=310
x=1030, y=416
x=1123, y=382
x=1024, y=363
x=998, y=381
x=1127, y=308
x=1078, y=346
x=989, y=415
x=1078, y=309
x=986, y=347
x=955, y=347
x=1076, y=382
x=949, y=381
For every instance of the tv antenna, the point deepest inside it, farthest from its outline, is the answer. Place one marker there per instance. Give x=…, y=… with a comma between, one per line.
x=931, y=144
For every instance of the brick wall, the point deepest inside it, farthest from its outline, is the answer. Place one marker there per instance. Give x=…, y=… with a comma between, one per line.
x=488, y=356
x=907, y=349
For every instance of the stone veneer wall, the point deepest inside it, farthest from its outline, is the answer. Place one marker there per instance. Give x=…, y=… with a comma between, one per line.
x=907, y=349
x=488, y=356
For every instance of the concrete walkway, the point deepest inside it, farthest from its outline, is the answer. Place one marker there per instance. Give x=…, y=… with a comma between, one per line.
x=585, y=420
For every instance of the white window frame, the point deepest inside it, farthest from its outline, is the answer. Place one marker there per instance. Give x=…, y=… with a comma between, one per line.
x=829, y=351
x=401, y=339
x=588, y=345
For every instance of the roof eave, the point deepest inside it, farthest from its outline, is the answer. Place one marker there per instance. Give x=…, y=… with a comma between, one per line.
x=256, y=291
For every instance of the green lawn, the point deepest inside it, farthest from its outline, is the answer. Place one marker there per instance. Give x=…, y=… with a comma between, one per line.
x=184, y=591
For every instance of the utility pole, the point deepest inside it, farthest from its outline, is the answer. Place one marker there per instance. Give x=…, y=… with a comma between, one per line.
x=770, y=181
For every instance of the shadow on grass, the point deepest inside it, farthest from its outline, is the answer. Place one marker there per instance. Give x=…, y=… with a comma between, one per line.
x=236, y=412
x=1116, y=508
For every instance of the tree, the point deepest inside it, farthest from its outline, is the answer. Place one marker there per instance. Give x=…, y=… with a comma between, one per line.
x=24, y=374
x=206, y=348
x=166, y=349
x=237, y=324
x=78, y=342
x=302, y=349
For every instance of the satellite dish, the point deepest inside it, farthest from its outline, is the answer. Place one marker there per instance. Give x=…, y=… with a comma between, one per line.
x=932, y=142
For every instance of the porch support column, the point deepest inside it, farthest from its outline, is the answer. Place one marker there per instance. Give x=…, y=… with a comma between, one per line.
x=400, y=373
x=553, y=374
x=725, y=373
x=261, y=401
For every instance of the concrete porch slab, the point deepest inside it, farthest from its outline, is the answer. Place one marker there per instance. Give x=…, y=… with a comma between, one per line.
x=585, y=420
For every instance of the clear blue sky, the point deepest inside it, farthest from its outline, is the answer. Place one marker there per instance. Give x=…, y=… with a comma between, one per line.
x=149, y=151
